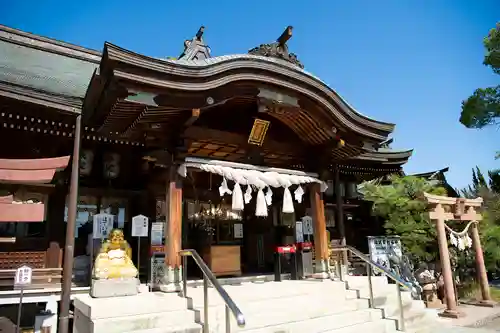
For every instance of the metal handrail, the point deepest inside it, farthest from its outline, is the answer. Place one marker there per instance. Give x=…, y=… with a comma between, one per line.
x=370, y=264
x=367, y=260
x=208, y=276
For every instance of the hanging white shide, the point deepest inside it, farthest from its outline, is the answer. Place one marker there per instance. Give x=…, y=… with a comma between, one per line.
x=461, y=240
x=258, y=179
x=237, y=204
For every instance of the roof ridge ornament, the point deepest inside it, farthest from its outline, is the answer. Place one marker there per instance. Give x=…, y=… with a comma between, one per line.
x=278, y=49
x=196, y=49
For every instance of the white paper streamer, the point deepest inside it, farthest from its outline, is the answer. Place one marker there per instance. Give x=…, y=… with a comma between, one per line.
x=223, y=188
x=298, y=193
x=287, y=201
x=258, y=179
x=237, y=204
x=248, y=194
x=460, y=240
x=468, y=241
x=261, y=207
x=453, y=240
x=269, y=196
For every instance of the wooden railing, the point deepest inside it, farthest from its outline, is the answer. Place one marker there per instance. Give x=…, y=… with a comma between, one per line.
x=41, y=278
x=50, y=258
x=46, y=265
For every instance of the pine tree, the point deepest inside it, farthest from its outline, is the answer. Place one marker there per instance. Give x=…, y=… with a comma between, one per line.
x=405, y=212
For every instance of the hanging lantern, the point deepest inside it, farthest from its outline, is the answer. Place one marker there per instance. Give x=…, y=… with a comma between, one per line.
x=111, y=165
x=86, y=161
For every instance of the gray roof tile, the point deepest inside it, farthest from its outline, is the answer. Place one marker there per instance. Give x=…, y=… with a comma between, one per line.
x=45, y=71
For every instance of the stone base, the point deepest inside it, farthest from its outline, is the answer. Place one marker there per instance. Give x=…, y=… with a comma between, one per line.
x=434, y=304
x=451, y=314
x=321, y=270
x=146, y=312
x=322, y=276
x=114, y=287
x=170, y=287
x=486, y=304
x=172, y=280
x=431, y=299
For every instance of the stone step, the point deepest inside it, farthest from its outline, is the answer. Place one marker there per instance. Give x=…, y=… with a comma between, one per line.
x=100, y=308
x=267, y=290
x=132, y=313
x=273, y=315
x=362, y=281
x=143, y=322
x=187, y=328
x=379, y=326
x=386, y=298
x=248, y=299
x=312, y=325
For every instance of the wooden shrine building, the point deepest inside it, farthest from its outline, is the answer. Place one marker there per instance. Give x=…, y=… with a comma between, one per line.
x=164, y=138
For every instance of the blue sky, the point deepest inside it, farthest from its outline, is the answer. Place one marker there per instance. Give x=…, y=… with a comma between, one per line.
x=410, y=62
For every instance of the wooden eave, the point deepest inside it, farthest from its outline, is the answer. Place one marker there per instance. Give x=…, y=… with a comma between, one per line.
x=68, y=105
x=31, y=171
x=363, y=171
x=193, y=77
x=386, y=157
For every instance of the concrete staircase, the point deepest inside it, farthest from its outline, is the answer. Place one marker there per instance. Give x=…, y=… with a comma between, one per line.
x=312, y=306
x=418, y=319
x=144, y=313
x=307, y=306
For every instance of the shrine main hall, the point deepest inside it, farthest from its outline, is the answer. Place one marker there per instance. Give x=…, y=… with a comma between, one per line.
x=226, y=153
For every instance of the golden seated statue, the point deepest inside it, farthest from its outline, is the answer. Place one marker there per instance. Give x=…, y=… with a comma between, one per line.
x=114, y=259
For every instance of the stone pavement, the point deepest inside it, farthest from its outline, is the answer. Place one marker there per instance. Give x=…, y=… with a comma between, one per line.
x=477, y=320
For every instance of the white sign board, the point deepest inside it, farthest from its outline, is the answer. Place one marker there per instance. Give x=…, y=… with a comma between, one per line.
x=307, y=225
x=103, y=224
x=157, y=233
x=383, y=249
x=299, y=233
x=23, y=276
x=238, y=230
x=140, y=226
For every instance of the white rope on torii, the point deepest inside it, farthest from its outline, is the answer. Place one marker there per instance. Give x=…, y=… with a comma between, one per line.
x=256, y=179
x=460, y=240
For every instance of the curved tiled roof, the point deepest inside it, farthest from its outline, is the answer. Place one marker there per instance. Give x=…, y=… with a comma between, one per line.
x=41, y=70
x=211, y=73
x=32, y=65
x=65, y=70
x=219, y=59
x=387, y=156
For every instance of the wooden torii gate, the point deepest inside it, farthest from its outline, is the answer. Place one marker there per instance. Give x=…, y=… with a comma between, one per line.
x=445, y=209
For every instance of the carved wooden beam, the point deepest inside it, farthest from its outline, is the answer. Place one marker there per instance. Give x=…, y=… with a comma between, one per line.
x=435, y=199
x=202, y=133
x=195, y=114
x=449, y=208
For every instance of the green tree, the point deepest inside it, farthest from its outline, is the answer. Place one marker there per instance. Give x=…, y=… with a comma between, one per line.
x=482, y=187
x=402, y=206
x=483, y=107
x=489, y=189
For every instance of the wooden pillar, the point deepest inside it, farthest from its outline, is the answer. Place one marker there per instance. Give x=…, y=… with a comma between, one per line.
x=319, y=227
x=444, y=254
x=340, y=214
x=173, y=232
x=482, y=277
x=70, y=231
